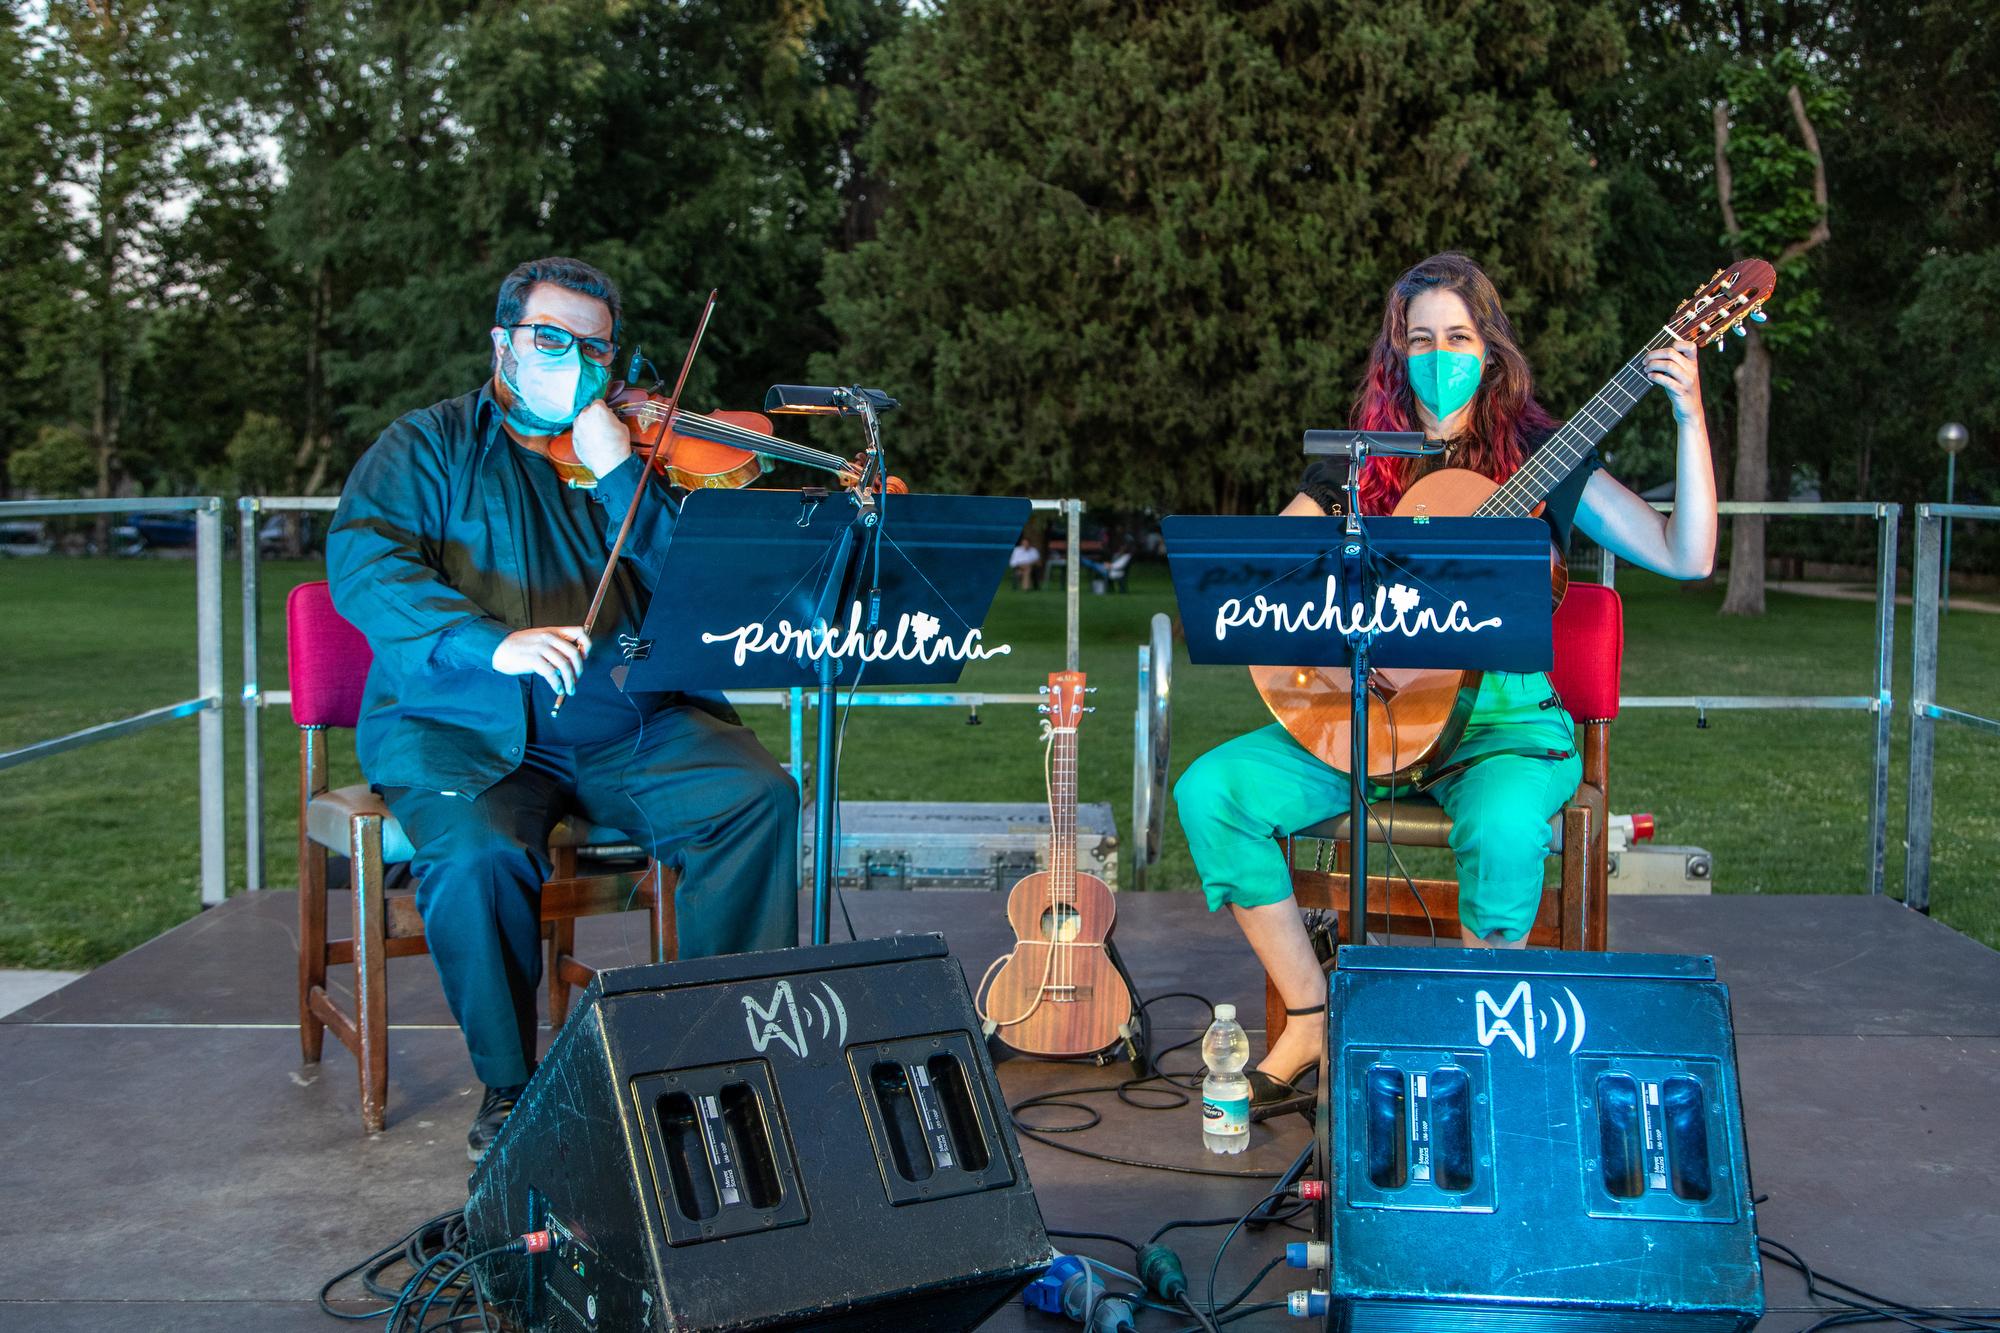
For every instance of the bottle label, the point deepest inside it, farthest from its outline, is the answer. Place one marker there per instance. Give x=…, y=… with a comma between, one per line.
x=1225, y=1115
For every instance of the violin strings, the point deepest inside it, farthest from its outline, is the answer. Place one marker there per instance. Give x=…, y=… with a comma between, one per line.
x=650, y=414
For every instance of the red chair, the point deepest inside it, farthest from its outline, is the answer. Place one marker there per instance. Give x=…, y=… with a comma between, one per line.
x=329, y=663
x=1589, y=657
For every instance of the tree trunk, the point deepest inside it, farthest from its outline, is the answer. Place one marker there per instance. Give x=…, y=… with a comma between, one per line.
x=1753, y=430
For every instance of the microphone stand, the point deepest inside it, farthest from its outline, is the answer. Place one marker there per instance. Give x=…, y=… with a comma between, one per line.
x=858, y=546
x=1357, y=447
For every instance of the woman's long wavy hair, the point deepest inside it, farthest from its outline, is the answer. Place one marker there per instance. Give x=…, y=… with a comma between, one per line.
x=1505, y=415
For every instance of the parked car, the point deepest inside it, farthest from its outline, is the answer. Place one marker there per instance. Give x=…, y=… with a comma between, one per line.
x=25, y=537
x=163, y=531
x=271, y=536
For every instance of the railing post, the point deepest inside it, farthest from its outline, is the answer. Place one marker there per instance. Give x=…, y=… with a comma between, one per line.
x=1142, y=770
x=247, y=509
x=1073, y=569
x=1887, y=519
x=208, y=656
x=1923, y=728
x=795, y=709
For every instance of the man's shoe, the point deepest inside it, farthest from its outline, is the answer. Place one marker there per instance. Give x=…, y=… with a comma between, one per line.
x=493, y=1111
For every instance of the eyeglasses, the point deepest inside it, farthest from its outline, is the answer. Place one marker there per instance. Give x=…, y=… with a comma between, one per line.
x=555, y=340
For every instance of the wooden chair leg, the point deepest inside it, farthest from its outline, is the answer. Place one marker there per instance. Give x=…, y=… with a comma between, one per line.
x=562, y=940
x=1575, y=876
x=371, y=968
x=312, y=897
x=312, y=946
x=562, y=945
x=665, y=926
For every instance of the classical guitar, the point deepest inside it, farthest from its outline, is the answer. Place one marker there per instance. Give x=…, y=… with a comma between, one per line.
x=1057, y=994
x=1416, y=717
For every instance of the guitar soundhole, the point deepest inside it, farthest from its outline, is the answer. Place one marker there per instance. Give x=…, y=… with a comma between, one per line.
x=1061, y=923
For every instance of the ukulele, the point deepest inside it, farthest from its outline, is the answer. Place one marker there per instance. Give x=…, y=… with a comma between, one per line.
x=1057, y=994
x=1415, y=717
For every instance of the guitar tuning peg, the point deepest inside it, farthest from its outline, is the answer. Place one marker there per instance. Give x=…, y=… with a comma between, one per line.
x=1740, y=331
x=1041, y=689
x=1759, y=316
x=1090, y=689
x=1041, y=708
x=1087, y=710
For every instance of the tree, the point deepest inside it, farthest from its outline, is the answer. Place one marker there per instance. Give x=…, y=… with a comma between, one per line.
x=56, y=465
x=1128, y=254
x=34, y=231
x=1773, y=198
x=117, y=74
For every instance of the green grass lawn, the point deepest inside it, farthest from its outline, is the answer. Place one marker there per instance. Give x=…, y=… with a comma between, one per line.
x=98, y=846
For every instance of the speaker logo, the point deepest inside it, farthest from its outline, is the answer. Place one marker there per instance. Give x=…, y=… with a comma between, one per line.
x=790, y=1024
x=1521, y=1017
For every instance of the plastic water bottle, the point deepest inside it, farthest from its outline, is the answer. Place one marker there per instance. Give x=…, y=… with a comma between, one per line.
x=1225, y=1093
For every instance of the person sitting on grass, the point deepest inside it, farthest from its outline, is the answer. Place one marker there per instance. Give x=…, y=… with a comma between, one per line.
x=1023, y=560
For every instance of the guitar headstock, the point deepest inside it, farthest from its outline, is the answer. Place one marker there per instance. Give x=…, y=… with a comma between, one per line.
x=1734, y=294
x=1065, y=707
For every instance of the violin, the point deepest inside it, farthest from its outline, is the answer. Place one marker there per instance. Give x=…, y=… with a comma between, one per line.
x=724, y=450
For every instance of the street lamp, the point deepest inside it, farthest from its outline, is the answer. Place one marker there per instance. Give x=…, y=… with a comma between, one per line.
x=1951, y=438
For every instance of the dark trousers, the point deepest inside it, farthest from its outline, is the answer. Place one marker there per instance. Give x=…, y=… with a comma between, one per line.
x=699, y=793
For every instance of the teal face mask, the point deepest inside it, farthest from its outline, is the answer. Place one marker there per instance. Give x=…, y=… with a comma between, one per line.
x=549, y=391
x=1444, y=381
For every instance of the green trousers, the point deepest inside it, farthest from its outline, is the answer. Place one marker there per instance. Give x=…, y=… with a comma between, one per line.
x=1237, y=800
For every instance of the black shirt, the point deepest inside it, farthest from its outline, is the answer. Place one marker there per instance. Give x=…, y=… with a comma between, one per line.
x=1326, y=482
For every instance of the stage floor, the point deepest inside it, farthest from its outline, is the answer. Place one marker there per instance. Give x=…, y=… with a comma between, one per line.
x=171, y=1166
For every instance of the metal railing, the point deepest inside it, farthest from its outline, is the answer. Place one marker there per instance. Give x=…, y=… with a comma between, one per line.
x=205, y=707
x=1925, y=711
x=255, y=698
x=1887, y=517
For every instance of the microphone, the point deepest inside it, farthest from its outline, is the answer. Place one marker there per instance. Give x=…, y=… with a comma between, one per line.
x=818, y=400
x=638, y=360
x=1370, y=444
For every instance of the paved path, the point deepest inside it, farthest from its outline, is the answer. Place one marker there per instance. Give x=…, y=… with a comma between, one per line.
x=20, y=988
x=1865, y=592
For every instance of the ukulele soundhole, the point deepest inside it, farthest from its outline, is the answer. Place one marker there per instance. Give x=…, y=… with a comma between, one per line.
x=1061, y=924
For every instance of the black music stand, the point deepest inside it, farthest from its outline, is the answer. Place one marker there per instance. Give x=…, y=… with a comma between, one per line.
x=818, y=589
x=1468, y=594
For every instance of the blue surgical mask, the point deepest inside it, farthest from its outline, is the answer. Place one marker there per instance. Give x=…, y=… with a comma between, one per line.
x=549, y=391
x=1444, y=381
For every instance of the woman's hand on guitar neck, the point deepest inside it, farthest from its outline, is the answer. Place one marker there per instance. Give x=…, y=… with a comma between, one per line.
x=1676, y=370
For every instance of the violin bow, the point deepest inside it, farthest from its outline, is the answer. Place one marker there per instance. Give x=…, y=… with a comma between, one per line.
x=665, y=431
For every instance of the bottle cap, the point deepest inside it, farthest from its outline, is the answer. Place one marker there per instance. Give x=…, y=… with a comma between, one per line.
x=1225, y=1013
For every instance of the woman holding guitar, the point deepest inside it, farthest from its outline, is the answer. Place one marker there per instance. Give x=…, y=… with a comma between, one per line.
x=1446, y=363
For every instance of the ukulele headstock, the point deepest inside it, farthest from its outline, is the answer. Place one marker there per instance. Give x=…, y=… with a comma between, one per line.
x=1065, y=707
x=1732, y=295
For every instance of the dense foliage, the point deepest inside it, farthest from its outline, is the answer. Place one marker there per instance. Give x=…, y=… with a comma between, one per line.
x=1126, y=251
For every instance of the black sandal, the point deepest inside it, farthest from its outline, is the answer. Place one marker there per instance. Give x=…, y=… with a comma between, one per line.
x=1271, y=1095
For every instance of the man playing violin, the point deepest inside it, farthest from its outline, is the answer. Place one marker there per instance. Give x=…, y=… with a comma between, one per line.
x=469, y=564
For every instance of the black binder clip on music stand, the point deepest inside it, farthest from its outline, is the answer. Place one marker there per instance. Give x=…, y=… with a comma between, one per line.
x=753, y=572
x=1231, y=574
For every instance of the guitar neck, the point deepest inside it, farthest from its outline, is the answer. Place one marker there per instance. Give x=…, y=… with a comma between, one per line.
x=1062, y=815
x=1560, y=453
